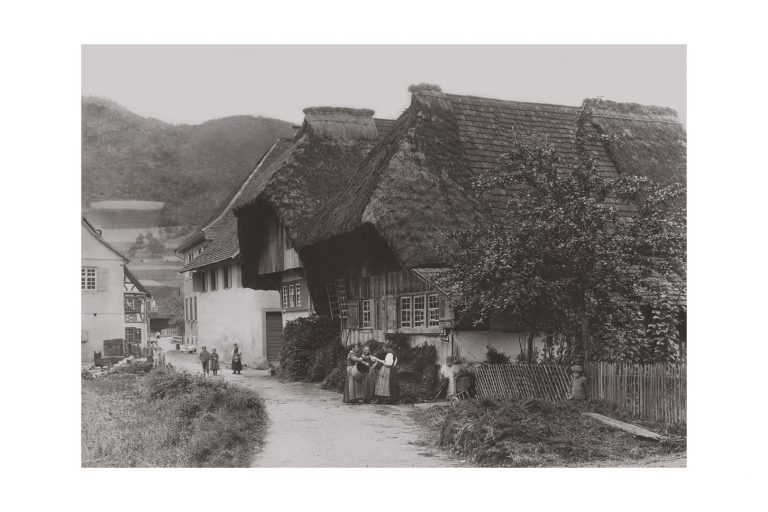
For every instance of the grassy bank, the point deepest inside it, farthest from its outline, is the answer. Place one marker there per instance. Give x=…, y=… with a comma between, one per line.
x=533, y=434
x=165, y=418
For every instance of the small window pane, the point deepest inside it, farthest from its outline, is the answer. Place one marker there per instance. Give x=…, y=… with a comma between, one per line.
x=419, y=311
x=366, y=313
x=434, y=310
x=285, y=296
x=405, y=312
x=291, y=296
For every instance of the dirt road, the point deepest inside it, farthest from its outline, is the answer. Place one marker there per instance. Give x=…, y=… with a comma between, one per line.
x=311, y=427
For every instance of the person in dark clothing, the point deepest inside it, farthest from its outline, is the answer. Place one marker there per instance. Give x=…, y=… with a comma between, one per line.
x=237, y=360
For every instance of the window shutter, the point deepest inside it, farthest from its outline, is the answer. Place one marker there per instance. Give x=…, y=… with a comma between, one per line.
x=194, y=316
x=391, y=309
x=102, y=279
x=196, y=282
x=354, y=314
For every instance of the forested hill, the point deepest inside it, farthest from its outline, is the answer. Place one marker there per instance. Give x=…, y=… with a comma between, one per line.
x=192, y=168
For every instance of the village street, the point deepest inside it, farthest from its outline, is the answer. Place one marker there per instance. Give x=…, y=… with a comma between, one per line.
x=312, y=427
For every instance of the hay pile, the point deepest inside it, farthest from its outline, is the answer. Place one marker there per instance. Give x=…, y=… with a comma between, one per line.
x=532, y=433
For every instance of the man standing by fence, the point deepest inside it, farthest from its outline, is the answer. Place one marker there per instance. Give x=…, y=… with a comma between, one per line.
x=579, y=384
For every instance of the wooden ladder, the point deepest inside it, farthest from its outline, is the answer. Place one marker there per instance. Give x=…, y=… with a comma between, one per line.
x=341, y=293
x=333, y=299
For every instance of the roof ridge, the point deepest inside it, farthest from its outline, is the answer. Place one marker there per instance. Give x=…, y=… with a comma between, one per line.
x=575, y=107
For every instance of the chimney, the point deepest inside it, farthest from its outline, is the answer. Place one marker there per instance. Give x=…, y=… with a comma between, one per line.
x=429, y=97
x=340, y=123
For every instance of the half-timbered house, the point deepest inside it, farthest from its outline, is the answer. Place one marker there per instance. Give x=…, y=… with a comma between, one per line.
x=114, y=304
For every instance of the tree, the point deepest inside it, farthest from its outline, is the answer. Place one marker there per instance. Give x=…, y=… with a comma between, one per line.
x=574, y=253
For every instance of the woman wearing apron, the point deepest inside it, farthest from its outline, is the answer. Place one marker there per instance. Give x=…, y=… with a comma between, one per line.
x=354, y=389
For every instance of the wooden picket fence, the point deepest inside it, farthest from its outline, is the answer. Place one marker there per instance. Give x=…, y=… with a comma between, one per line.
x=655, y=392
x=521, y=380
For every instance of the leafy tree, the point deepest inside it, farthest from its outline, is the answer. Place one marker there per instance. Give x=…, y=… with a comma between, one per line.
x=574, y=253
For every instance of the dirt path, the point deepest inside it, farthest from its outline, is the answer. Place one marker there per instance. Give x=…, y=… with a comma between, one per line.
x=311, y=427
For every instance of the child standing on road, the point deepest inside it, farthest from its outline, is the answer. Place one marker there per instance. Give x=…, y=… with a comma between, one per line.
x=205, y=357
x=214, y=362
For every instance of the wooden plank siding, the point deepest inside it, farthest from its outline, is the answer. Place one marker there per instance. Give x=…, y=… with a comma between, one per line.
x=275, y=250
x=399, y=282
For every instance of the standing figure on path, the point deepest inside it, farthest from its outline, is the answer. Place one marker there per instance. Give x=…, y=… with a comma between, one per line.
x=354, y=389
x=214, y=362
x=387, y=388
x=369, y=381
x=205, y=357
x=237, y=360
x=579, y=385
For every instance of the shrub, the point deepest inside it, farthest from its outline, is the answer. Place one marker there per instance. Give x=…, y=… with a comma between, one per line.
x=493, y=356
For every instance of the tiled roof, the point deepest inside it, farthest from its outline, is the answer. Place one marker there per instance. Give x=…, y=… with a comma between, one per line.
x=222, y=233
x=97, y=234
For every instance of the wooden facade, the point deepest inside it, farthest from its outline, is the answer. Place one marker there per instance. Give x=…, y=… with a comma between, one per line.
x=378, y=296
x=266, y=249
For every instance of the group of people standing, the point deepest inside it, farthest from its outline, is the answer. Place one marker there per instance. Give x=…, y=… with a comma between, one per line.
x=370, y=378
x=210, y=360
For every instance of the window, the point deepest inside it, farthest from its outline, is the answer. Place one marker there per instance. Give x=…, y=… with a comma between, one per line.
x=405, y=311
x=88, y=278
x=298, y=294
x=203, y=281
x=291, y=296
x=285, y=296
x=419, y=311
x=366, y=313
x=213, y=279
x=194, y=311
x=189, y=258
x=433, y=310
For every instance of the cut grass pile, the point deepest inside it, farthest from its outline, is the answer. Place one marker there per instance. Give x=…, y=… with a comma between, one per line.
x=165, y=418
x=531, y=433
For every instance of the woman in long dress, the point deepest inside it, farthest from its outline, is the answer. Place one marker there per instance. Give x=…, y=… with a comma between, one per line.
x=386, y=384
x=369, y=381
x=354, y=390
x=237, y=360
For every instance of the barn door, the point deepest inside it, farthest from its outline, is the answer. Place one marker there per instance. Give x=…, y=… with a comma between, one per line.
x=274, y=333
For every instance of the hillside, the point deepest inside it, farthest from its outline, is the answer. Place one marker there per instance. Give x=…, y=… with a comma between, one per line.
x=192, y=168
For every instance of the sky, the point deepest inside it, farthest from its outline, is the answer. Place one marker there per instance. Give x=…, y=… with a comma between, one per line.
x=194, y=83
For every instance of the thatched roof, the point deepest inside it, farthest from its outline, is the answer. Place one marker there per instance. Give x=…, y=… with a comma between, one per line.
x=221, y=230
x=642, y=140
x=416, y=182
x=320, y=160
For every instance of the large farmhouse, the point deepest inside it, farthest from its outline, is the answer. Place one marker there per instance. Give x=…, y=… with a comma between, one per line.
x=359, y=207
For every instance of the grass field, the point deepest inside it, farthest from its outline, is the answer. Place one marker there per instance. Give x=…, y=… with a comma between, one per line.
x=165, y=418
x=537, y=434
